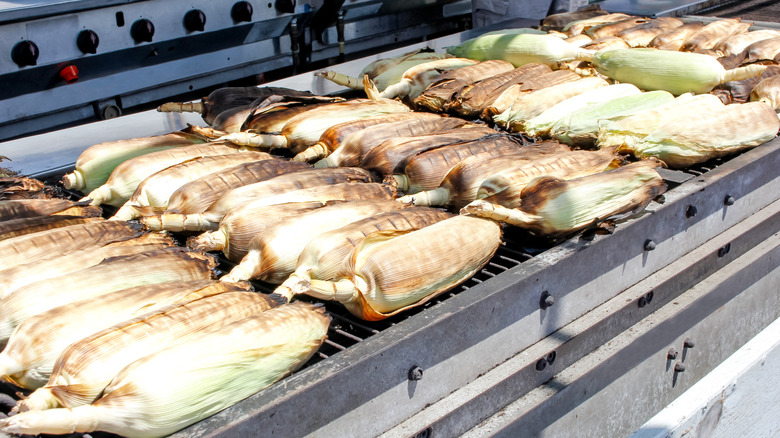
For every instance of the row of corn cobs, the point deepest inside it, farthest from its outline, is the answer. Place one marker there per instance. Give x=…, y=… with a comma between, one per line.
x=380, y=203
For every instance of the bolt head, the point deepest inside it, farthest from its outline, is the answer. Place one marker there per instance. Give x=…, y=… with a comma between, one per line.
x=649, y=245
x=415, y=373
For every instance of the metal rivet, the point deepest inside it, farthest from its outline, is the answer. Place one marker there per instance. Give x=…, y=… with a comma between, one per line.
x=679, y=367
x=688, y=343
x=415, y=373
x=729, y=200
x=541, y=364
x=649, y=245
x=724, y=250
x=671, y=354
x=546, y=300
x=691, y=211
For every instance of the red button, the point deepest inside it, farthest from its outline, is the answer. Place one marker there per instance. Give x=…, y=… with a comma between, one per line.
x=69, y=74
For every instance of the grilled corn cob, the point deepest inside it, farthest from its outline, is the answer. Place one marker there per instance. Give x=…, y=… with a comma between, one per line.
x=517, y=48
x=11, y=209
x=324, y=256
x=392, y=155
x=225, y=98
x=274, y=187
x=675, y=72
x=695, y=138
x=332, y=137
x=153, y=193
x=541, y=124
x=127, y=176
x=580, y=26
x=254, y=353
x=642, y=34
x=390, y=272
x=359, y=143
x=95, y=164
x=505, y=100
x=675, y=38
x=155, y=266
x=274, y=252
x=711, y=34
x=555, y=207
x=607, y=42
x=560, y=20
x=417, y=78
x=471, y=100
x=529, y=105
x=85, y=367
x=34, y=346
x=767, y=91
x=20, y=227
x=305, y=129
x=18, y=276
x=439, y=92
x=581, y=127
x=383, y=72
x=428, y=170
x=612, y=29
x=21, y=187
x=737, y=43
x=764, y=50
x=271, y=115
x=579, y=40
x=24, y=249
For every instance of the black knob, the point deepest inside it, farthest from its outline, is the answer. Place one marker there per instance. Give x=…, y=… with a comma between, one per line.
x=287, y=6
x=195, y=20
x=241, y=11
x=25, y=53
x=142, y=31
x=87, y=41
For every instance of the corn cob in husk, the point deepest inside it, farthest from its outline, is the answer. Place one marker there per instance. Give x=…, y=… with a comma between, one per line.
x=580, y=128
x=276, y=187
x=517, y=48
x=675, y=38
x=359, y=143
x=764, y=50
x=254, y=352
x=560, y=20
x=241, y=224
x=21, y=187
x=554, y=207
x=580, y=26
x=383, y=72
x=24, y=249
x=392, y=155
x=35, y=344
x=713, y=33
x=272, y=114
x=579, y=40
x=85, y=367
x=391, y=271
x=471, y=100
x=20, y=227
x=613, y=28
x=153, y=193
x=126, y=177
x=541, y=124
x=428, y=170
x=225, y=98
x=506, y=188
x=197, y=195
x=631, y=130
x=157, y=266
x=642, y=34
x=505, y=100
x=695, y=138
x=439, y=92
x=737, y=43
x=419, y=77
x=768, y=91
x=95, y=164
x=333, y=137
x=11, y=209
x=274, y=252
x=16, y=277
x=529, y=105
x=231, y=119
x=304, y=130
x=504, y=176
x=324, y=256
x=675, y=72
x=607, y=42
